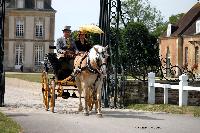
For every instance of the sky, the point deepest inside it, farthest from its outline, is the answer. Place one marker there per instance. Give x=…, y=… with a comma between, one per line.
x=79, y=12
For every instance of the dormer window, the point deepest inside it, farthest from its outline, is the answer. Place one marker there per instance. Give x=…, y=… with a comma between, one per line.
x=20, y=3
x=198, y=26
x=169, y=30
x=40, y=4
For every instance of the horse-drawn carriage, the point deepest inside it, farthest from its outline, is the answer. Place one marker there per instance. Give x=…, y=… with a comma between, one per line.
x=85, y=74
x=52, y=84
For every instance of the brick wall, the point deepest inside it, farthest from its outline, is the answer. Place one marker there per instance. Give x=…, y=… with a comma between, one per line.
x=177, y=47
x=172, y=45
x=191, y=51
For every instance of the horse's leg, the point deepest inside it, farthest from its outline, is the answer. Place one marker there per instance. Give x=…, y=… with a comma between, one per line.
x=80, y=93
x=90, y=101
x=95, y=103
x=98, y=94
x=80, y=103
x=98, y=103
x=94, y=100
x=85, y=90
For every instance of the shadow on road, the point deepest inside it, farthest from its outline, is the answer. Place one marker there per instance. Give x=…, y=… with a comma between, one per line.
x=137, y=115
x=15, y=114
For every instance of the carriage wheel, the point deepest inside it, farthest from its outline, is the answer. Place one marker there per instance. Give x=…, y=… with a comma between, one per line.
x=45, y=90
x=52, y=93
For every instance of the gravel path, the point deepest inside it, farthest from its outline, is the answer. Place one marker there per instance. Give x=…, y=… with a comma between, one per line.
x=23, y=103
x=24, y=96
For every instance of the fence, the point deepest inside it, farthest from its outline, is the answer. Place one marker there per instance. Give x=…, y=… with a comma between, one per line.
x=182, y=87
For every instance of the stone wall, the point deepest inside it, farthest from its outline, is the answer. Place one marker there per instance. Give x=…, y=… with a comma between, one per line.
x=137, y=92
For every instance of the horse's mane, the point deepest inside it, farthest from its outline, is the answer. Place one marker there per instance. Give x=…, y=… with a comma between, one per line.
x=92, y=52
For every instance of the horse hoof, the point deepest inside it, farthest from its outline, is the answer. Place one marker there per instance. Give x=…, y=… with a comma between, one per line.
x=86, y=114
x=99, y=115
x=80, y=109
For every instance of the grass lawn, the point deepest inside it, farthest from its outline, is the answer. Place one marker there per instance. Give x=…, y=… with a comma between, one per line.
x=7, y=125
x=174, y=109
x=33, y=77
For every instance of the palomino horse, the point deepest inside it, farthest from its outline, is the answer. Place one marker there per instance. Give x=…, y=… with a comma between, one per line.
x=89, y=78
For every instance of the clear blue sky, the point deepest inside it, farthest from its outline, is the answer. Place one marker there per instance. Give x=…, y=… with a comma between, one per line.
x=79, y=12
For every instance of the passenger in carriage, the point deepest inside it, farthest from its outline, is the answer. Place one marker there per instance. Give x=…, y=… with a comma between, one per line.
x=82, y=43
x=83, y=46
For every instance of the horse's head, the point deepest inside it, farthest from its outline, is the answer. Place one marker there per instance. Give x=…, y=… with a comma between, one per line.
x=100, y=55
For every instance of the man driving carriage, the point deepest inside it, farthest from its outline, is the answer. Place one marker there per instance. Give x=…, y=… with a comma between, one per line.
x=66, y=43
x=66, y=49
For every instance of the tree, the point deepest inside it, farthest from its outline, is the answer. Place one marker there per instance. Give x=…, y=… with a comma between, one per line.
x=142, y=12
x=92, y=38
x=162, y=27
x=142, y=49
x=175, y=18
x=75, y=34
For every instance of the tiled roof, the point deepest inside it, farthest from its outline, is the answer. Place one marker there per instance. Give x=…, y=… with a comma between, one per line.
x=184, y=25
x=187, y=20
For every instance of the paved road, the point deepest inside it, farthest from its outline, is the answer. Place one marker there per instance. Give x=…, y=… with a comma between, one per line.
x=24, y=104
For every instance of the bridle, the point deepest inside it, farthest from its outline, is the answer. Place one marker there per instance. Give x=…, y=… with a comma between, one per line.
x=98, y=69
x=99, y=63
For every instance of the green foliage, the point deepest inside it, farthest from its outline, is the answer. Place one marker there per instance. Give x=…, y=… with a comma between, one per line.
x=75, y=34
x=93, y=38
x=160, y=29
x=136, y=34
x=8, y=126
x=175, y=18
x=141, y=11
x=141, y=53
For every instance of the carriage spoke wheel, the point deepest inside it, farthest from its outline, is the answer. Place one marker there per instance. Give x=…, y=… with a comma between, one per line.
x=52, y=94
x=45, y=90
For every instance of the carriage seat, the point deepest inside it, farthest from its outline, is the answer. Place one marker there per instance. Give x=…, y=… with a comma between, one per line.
x=60, y=63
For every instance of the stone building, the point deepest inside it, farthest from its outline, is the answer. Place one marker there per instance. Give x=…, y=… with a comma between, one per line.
x=180, y=44
x=29, y=30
